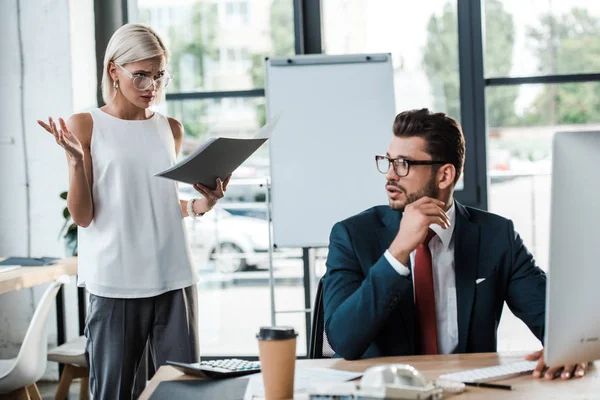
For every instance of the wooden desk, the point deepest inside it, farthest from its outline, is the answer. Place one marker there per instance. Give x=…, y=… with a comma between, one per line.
x=524, y=387
x=27, y=277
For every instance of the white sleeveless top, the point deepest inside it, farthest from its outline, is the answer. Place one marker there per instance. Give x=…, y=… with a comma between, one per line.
x=136, y=245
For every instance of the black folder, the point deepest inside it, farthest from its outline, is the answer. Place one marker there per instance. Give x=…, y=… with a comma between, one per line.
x=221, y=389
x=217, y=158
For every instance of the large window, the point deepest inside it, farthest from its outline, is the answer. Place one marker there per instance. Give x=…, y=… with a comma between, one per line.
x=220, y=45
x=541, y=37
x=527, y=41
x=424, y=47
x=230, y=116
x=422, y=38
x=520, y=172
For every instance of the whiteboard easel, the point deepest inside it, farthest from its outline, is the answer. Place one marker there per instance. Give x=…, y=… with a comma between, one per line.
x=336, y=115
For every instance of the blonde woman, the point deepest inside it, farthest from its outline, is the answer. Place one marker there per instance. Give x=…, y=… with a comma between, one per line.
x=134, y=258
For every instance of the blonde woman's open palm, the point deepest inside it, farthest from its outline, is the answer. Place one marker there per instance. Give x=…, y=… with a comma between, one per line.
x=64, y=138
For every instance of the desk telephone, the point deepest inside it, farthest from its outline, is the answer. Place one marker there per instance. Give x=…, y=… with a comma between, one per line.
x=397, y=381
x=393, y=381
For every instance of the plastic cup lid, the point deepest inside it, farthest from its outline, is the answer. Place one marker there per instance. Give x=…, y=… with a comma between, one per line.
x=276, y=333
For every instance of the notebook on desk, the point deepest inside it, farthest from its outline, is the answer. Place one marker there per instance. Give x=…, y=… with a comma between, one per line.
x=28, y=261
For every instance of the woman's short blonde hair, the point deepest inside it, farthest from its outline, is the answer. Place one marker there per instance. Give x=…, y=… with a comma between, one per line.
x=132, y=43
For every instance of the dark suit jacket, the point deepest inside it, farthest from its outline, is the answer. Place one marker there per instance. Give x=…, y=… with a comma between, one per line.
x=369, y=307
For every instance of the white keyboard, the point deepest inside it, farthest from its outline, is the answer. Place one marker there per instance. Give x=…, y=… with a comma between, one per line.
x=494, y=373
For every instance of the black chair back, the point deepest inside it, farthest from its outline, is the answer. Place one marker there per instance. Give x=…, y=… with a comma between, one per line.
x=319, y=345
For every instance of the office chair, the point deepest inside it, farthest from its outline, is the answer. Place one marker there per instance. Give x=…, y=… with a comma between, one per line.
x=319, y=345
x=19, y=375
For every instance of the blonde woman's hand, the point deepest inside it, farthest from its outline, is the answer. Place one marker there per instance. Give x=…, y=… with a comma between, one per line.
x=210, y=197
x=64, y=138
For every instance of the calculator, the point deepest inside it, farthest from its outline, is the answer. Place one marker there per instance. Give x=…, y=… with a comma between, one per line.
x=223, y=368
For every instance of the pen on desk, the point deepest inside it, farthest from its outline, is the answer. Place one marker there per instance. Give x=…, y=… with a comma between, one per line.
x=488, y=385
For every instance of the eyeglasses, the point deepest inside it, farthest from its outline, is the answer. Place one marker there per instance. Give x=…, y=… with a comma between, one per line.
x=401, y=165
x=141, y=82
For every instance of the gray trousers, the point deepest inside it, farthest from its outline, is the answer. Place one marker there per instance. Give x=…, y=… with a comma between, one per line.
x=117, y=331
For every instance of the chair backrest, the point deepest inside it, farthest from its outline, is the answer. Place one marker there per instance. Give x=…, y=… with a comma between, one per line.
x=319, y=345
x=31, y=360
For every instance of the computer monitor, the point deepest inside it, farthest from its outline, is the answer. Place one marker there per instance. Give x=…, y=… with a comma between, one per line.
x=572, y=332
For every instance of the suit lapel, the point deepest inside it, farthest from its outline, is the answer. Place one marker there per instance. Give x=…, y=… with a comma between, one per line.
x=466, y=252
x=391, y=224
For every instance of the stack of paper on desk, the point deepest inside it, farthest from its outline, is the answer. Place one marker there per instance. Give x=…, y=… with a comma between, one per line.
x=304, y=378
x=217, y=158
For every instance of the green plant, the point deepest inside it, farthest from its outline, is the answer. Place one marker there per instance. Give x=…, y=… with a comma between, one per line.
x=68, y=230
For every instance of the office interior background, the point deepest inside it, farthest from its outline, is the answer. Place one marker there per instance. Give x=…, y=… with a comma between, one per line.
x=513, y=72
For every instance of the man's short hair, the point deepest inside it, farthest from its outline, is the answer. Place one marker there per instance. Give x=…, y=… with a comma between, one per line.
x=442, y=134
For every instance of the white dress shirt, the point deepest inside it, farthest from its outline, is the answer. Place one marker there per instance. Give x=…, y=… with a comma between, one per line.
x=444, y=282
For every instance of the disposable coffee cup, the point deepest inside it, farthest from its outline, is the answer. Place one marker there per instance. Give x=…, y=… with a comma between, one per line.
x=277, y=354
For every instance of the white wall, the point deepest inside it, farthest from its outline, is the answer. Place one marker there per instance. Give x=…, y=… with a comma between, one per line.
x=12, y=211
x=58, y=76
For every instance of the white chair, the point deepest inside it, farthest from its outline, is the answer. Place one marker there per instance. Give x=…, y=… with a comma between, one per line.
x=18, y=376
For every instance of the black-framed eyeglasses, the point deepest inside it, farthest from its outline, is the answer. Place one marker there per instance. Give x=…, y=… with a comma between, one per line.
x=402, y=165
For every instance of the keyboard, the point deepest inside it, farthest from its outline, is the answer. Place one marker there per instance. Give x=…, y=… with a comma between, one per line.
x=494, y=373
x=223, y=368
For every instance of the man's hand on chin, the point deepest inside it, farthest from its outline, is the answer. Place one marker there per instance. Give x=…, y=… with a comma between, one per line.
x=565, y=372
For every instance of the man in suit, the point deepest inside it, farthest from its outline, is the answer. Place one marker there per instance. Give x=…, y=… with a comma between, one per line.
x=427, y=275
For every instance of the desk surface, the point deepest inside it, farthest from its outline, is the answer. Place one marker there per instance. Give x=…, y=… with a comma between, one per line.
x=26, y=277
x=433, y=366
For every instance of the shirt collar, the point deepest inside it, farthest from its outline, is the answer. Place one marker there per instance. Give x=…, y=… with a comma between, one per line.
x=445, y=235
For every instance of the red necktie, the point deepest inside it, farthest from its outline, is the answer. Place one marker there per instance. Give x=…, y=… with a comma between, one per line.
x=425, y=297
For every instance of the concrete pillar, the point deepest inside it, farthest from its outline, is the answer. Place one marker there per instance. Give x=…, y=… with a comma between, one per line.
x=48, y=64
